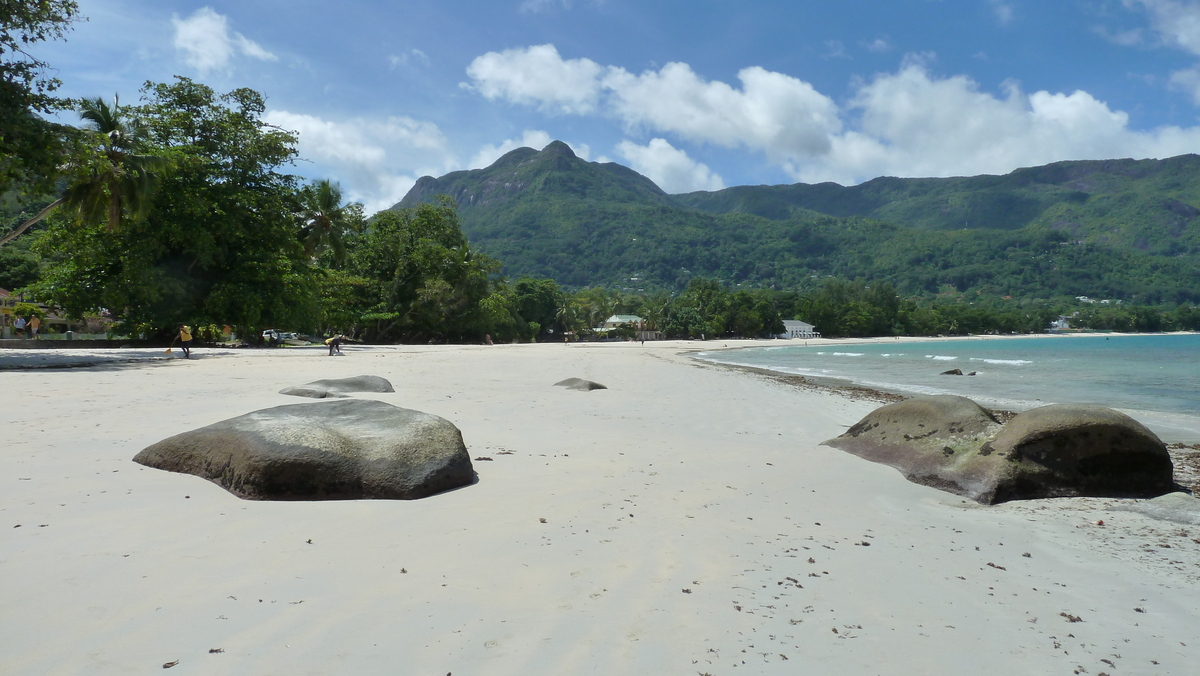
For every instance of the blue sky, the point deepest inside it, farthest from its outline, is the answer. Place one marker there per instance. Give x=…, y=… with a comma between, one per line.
x=697, y=94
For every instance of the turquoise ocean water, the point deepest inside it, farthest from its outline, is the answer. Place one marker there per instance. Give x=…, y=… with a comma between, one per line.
x=1154, y=378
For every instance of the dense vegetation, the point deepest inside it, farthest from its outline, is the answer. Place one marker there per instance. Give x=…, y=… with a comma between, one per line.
x=1119, y=229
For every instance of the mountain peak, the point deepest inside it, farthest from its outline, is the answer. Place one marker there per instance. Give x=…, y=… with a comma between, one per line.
x=559, y=148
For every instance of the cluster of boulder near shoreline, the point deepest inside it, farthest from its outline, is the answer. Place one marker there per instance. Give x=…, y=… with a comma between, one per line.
x=366, y=449
x=952, y=443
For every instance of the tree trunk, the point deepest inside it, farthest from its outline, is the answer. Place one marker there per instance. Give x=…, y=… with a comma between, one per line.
x=27, y=224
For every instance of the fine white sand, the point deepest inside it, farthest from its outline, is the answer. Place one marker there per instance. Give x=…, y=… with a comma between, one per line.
x=693, y=525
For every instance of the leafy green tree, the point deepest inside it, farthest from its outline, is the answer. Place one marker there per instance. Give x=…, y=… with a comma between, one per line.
x=19, y=266
x=596, y=305
x=651, y=307
x=500, y=318
x=743, y=318
x=426, y=280
x=343, y=298
x=711, y=302
x=30, y=147
x=538, y=301
x=681, y=320
x=220, y=244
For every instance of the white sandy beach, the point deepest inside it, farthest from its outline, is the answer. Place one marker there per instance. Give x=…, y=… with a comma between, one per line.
x=693, y=525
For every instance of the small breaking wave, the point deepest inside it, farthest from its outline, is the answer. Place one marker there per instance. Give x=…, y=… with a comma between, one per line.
x=847, y=354
x=940, y=357
x=1014, y=362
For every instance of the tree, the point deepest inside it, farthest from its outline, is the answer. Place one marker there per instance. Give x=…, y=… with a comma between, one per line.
x=538, y=302
x=109, y=181
x=426, y=280
x=30, y=147
x=220, y=244
x=326, y=221
x=567, y=315
x=596, y=305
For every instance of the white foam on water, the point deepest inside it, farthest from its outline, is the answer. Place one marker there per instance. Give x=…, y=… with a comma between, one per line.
x=1014, y=362
x=847, y=354
x=939, y=357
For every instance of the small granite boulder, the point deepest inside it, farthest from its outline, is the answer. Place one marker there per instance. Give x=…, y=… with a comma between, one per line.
x=1075, y=450
x=953, y=444
x=952, y=372
x=580, y=385
x=338, y=387
x=341, y=450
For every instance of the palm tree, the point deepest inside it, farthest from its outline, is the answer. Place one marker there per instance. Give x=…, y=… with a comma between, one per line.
x=111, y=182
x=566, y=315
x=326, y=220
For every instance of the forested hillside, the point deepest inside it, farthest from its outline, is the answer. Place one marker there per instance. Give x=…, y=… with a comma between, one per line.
x=1120, y=229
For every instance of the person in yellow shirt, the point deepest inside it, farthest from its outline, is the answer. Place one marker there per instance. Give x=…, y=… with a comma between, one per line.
x=35, y=323
x=185, y=340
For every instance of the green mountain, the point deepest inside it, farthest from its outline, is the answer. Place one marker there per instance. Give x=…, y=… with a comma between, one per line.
x=1121, y=229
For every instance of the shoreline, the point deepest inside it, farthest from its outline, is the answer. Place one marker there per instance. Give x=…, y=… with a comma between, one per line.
x=1167, y=423
x=693, y=523
x=1185, y=455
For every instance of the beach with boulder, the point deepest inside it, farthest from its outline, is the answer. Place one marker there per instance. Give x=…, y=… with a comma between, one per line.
x=475, y=518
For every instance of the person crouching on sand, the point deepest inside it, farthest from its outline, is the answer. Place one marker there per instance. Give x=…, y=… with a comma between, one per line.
x=185, y=340
x=335, y=343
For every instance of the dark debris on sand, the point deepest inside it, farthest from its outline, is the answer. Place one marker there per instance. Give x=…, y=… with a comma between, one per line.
x=1186, y=458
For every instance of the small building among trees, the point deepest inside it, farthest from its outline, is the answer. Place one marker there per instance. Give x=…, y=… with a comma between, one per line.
x=794, y=328
x=633, y=325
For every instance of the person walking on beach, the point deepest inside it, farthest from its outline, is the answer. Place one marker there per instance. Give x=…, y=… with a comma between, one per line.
x=185, y=340
x=19, y=326
x=35, y=322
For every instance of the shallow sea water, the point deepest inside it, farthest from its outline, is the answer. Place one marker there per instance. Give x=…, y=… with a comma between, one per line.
x=1154, y=378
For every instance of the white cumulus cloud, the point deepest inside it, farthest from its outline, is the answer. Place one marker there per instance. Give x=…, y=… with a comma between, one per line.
x=1177, y=22
x=772, y=112
x=538, y=75
x=206, y=43
x=670, y=168
x=377, y=160
x=913, y=124
x=907, y=123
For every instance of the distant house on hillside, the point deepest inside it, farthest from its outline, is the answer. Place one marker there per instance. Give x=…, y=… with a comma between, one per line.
x=1063, y=323
x=794, y=328
x=639, y=325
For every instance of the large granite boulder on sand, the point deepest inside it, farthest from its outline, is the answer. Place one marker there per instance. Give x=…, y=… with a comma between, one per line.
x=953, y=444
x=1067, y=450
x=339, y=387
x=580, y=385
x=340, y=450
